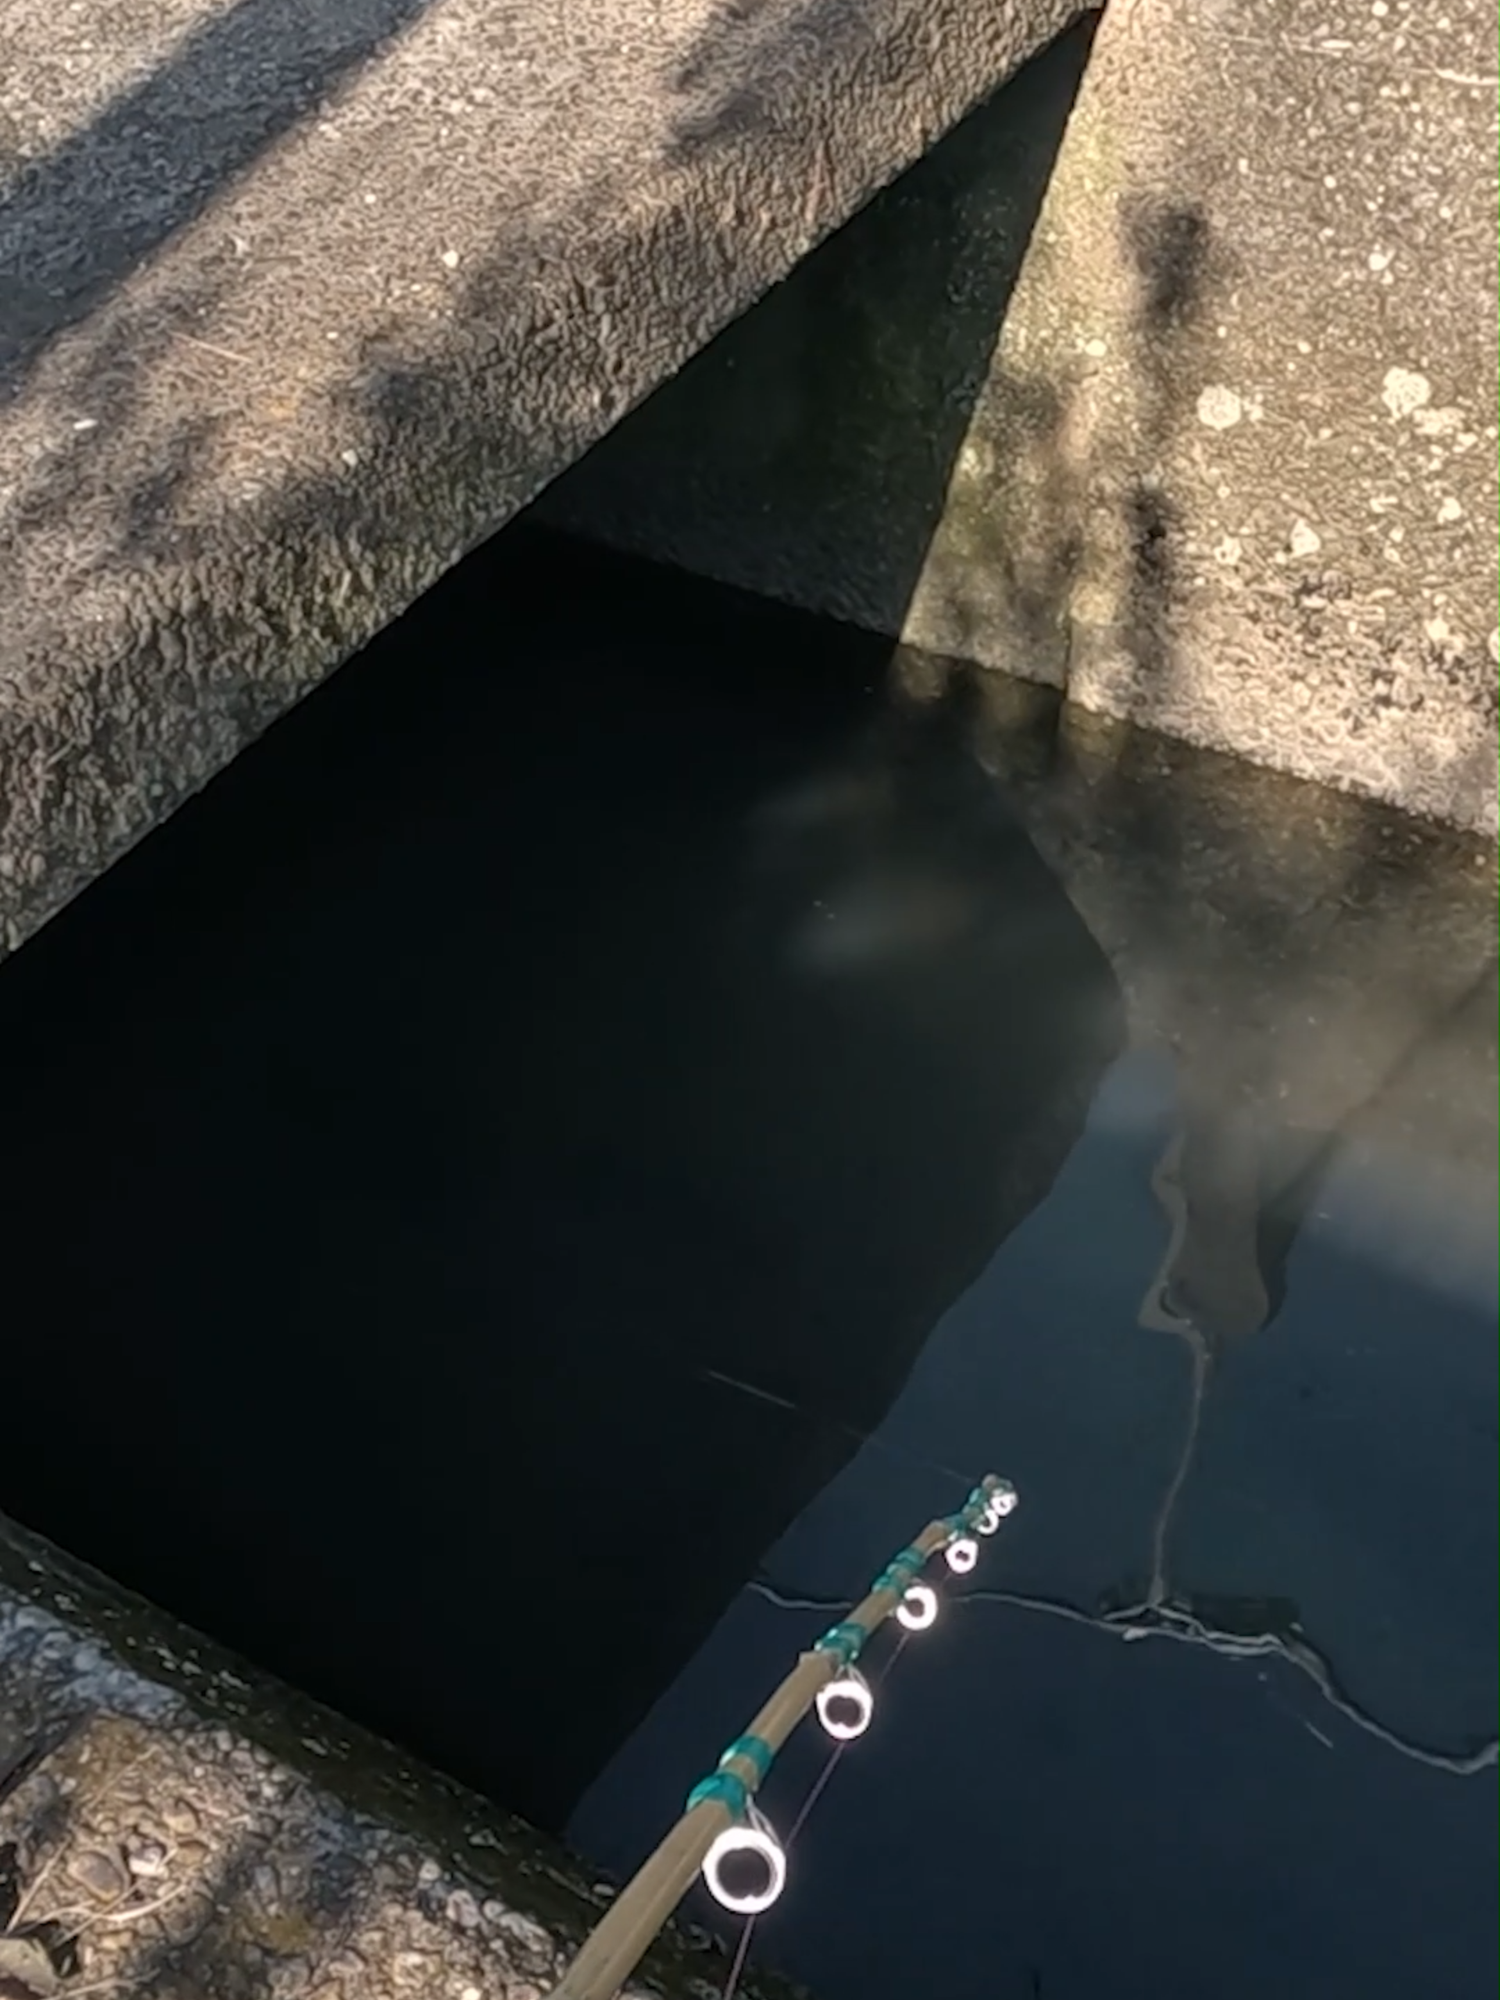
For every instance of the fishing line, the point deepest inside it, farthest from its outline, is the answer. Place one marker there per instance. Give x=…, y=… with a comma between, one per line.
x=816, y=1790
x=721, y=1833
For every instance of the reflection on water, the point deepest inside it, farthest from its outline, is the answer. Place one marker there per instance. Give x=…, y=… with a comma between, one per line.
x=1226, y=1722
x=568, y=1154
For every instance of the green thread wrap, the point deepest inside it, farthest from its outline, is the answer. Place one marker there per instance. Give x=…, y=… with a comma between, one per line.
x=845, y=1640
x=728, y=1786
x=755, y=1750
x=730, y=1790
x=901, y=1572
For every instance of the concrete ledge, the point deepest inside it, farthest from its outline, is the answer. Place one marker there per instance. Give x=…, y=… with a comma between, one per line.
x=203, y=1829
x=301, y=307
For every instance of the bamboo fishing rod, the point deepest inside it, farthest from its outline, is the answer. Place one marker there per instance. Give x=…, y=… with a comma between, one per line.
x=720, y=1818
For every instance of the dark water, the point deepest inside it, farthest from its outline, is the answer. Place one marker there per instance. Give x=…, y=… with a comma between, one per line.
x=577, y=1146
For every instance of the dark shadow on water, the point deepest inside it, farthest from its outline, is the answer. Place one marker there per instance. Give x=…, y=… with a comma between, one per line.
x=426, y=1154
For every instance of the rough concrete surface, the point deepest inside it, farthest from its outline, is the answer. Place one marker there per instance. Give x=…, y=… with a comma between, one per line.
x=1221, y=459
x=299, y=305
x=174, y=1825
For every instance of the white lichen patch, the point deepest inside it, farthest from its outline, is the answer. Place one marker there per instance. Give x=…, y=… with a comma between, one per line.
x=1404, y=391
x=1220, y=408
x=1438, y=423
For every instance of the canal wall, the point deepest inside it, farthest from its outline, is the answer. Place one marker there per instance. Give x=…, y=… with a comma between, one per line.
x=174, y=1822
x=1200, y=426
x=301, y=305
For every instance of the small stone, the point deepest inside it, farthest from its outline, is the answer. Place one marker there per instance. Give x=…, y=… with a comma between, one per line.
x=103, y=1874
x=530, y=1936
x=1304, y=540
x=1379, y=260
x=1220, y=409
x=462, y=1910
x=1449, y=511
x=450, y=259
x=470, y=1993
x=179, y=1817
x=1493, y=642
x=86, y=424
x=428, y=1873
x=26, y=1969
x=147, y=1859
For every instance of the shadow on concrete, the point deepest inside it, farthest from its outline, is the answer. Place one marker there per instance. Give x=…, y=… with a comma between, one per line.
x=731, y=84
x=79, y=220
x=830, y=417
x=1180, y=269
x=219, y=1912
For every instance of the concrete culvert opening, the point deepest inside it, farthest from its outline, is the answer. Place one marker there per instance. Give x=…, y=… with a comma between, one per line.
x=478, y=1133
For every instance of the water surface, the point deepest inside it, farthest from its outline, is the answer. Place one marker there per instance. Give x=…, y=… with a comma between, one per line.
x=526, y=1193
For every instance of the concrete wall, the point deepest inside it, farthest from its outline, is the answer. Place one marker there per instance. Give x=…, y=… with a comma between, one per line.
x=1221, y=459
x=300, y=304
x=174, y=1822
